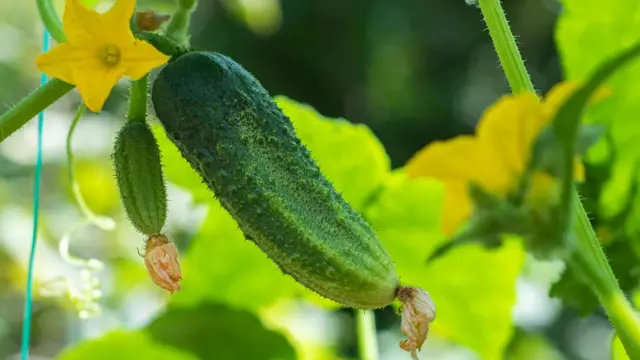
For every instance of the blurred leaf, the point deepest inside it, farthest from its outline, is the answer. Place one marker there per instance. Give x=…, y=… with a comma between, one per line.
x=625, y=265
x=124, y=345
x=530, y=346
x=214, y=331
x=177, y=169
x=349, y=155
x=97, y=185
x=588, y=34
x=621, y=249
x=222, y=266
x=566, y=125
x=204, y=332
x=473, y=288
x=588, y=136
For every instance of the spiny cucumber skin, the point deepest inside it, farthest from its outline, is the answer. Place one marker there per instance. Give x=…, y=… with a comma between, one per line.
x=136, y=158
x=234, y=135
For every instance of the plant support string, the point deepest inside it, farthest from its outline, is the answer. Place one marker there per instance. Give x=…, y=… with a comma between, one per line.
x=28, y=297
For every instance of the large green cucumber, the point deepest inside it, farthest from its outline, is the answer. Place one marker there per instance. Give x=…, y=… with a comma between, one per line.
x=233, y=134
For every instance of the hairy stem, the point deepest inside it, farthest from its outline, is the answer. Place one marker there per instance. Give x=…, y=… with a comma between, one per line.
x=31, y=105
x=178, y=27
x=138, y=100
x=591, y=264
x=102, y=222
x=588, y=258
x=505, y=45
x=367, y=342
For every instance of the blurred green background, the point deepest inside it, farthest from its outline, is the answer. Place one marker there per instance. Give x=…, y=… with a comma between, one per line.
x=413, y=72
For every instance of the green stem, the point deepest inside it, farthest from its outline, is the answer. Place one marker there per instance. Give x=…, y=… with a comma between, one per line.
x=138, y=100
x=505, y=45
x=178, y=27
x=164, y=44
x=588, y=258
x=105, y=223
x=51, y=20
x=367, y=341
x=591, y=263
x=31, y=105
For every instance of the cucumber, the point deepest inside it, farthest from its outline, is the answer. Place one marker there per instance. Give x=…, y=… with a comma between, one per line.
x=229, y=129
x=136, y=159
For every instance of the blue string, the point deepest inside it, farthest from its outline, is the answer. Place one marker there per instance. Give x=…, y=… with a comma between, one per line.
x=28, y=298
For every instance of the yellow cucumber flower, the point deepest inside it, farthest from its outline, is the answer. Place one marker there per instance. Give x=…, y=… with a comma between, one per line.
x=100, y=49
x=496, y=157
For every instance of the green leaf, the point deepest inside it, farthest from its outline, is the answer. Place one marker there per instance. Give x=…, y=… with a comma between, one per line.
x=566, y=123
x=588, y=136
x=214, y=331
x=620, y=246
x=349, y=155
x=124, y=345
x=206, y=331
x=222, y=266
x=473, y=288
x=532, y=346
x=587, y=34
x=177, y=169
x=624, y=261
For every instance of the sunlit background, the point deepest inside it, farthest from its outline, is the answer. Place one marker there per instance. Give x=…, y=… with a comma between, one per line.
x=412, y=71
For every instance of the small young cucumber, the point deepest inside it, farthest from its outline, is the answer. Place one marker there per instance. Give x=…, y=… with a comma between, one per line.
x=136, y=158
x=233, y=134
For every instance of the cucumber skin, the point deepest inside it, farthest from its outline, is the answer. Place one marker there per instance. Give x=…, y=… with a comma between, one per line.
x=138, y=169
x=233, y=134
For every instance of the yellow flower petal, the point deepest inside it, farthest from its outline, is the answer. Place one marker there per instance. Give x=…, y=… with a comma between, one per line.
x=117, y=20
x=442, y=159
x=60, y=61
x=461, y=158
x=561, y=92
x=140, y=58
x=95, y=82
x=456, y=207
x=578, y=170
x=507, y=127
x=81, y=25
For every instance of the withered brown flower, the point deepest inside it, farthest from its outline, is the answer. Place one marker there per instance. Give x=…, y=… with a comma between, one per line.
x=150, y=20
x=418, y=311
x=161, y=259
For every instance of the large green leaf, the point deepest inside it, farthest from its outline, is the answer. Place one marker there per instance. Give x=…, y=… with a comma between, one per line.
x=203, y=332
x=214, y=331
x=124, y=345
x=473, y=288
x=222, y=266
